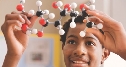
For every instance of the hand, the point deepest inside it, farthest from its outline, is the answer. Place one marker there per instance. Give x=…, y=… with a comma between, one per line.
x=16, y=40
x=114, y=33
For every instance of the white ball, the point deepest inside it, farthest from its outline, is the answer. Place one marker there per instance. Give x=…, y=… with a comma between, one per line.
x=38, y=3
x=72, y=24
x=82, y=33
x=61, y=32
x=73, y=5
x=92, y=1
x=28, y=32
x=34, y=31
x=92, y=7
x=59, y=3
x=99, y=26
x=32, y=12
x=59, y=26
x=46, y=12
x=77, y=12
x=23, y=1
x=51, y=15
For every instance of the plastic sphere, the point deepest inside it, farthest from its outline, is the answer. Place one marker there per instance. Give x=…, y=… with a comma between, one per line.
x=59, y=26
x=32, y=12
x=23, y=1
x=99, y=26
x=92, y=7
x=28, y=32
x=72, y=24
x=42, y=21
x=40, y=34
x=59, y=3
x=67, y=6
x=20, y=7
x=82, y=33
x=24, y=27
x=38, y=3
x=51, y=15
x=73, y=5
x=82, y=6
x=34, y=31
x=54, y=5
x=46, y=12
x=77, y=12
x=61, y=32
x=92, y=1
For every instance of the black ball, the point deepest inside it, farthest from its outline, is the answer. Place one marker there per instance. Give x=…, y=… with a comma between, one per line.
x=72, y=14
x=56, y=23
x=39, y=13
x=63, y=13
x=84, y=14
x=46, y=24
x=89, y=24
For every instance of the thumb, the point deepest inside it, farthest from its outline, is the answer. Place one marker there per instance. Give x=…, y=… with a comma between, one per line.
x=96, y=33
x=32, y=20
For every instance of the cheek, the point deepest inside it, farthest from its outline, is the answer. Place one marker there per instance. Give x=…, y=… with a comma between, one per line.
x=95, y=57
x=67, y=53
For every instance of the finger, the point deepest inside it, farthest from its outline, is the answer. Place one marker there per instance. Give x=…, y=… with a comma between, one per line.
x=15, y=12
x=26, y=19
x=27, y=14
x=10, y=24
x=100, y=15
x=93, y=19
x=14, y=17
x=32, y=20
x=96, y=33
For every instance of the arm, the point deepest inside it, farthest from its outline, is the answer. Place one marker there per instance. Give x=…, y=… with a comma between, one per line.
x=16, y=40
x=114, y=38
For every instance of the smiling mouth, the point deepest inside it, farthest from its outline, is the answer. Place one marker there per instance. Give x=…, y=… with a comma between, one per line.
x=79, y=64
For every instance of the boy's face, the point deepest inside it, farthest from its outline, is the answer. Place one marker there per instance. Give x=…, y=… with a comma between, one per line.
x=82, y=52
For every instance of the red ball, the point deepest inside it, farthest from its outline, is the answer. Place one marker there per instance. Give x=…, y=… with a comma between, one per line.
x=40, y=34
x=54, y=5
x=67, y=6
x=42, y=21
x=82, y=6
x=24, y=27
x=20, y=7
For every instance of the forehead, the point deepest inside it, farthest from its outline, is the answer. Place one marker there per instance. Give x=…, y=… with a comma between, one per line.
x=79, y=27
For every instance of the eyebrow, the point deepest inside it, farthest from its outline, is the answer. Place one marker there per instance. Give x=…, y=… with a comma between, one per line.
x=90, y=37
x=86, y=37
x=72, y=36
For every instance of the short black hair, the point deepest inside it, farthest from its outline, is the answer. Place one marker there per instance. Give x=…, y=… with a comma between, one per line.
x=66, y=26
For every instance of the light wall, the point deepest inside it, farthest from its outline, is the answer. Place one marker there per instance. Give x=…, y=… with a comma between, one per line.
x=114, y=8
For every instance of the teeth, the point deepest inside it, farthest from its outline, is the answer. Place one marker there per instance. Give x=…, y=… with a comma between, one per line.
x=78, y=62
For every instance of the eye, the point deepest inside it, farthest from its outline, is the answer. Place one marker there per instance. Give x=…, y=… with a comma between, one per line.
x=71, y=42
x=90, y=43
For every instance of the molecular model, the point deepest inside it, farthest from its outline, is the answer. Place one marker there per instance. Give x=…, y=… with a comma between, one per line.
x=44, y=22
x=69, y=9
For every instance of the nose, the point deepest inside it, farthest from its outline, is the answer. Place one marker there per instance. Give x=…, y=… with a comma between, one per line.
x=80, y=50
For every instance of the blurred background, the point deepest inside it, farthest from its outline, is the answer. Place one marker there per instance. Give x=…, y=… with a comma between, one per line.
x=114, y=8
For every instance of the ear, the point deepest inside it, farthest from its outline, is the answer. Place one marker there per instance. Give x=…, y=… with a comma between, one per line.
x=105, y=55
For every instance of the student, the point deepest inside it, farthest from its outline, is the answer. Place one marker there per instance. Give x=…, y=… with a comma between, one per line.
x=90, y=51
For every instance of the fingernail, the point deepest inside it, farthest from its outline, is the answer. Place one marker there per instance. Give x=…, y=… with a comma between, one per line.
x=20, y=25
x=23, y=21
x=28, y=22
x=84, y=20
